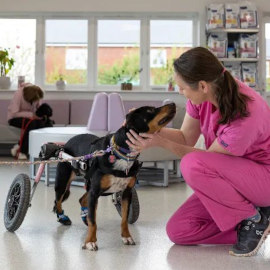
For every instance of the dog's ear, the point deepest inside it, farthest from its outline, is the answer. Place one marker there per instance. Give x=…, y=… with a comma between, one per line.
x=136, y=122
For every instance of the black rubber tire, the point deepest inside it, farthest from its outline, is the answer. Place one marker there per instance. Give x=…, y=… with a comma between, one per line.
x=17, y=202
x=134, y=208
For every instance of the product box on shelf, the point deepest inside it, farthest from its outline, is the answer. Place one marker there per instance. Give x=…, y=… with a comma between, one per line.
x=248, y=15
x=248, y=45
x=249, y=74
x=234, y=69
x=215, y=16
x=232, y=11
x=217, y=43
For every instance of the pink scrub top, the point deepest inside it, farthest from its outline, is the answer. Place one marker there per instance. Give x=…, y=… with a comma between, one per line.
x=248, y=137
x=19, y=107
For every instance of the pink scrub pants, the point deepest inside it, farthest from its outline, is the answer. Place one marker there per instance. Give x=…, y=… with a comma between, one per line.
x=226, y=190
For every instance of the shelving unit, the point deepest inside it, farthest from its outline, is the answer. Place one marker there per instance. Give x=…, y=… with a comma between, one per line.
x=234, y=30
x=239, y=59
x=233, y=36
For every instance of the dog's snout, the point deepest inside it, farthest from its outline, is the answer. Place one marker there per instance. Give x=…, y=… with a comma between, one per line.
x=173, y=106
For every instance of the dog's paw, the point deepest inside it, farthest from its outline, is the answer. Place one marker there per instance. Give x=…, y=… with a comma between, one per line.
x=90, y=246
x=128, y=241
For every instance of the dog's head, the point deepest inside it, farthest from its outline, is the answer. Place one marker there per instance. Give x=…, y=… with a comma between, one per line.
x=44, y=110
x=150, y=119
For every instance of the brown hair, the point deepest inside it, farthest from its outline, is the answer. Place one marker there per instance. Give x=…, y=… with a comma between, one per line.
x=199, y=64
x=32, y=93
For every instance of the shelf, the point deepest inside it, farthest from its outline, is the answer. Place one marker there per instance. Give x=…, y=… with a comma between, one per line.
x=238, y=59
x=234, y=30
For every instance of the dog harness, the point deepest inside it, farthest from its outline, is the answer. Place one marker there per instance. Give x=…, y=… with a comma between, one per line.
x=121, y=153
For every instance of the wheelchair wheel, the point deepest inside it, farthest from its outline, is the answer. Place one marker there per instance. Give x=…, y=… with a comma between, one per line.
x=134, y=208
x=17, y=202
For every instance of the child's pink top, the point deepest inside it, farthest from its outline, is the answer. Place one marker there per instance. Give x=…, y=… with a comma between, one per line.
x=248, y=137
x=19, y=107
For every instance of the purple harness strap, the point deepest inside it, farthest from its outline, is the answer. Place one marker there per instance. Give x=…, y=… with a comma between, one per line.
x=103, y=152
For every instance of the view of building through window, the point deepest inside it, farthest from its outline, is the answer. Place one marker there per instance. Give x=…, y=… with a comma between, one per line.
x=118, y=46
x=18, y=36
x=118, y=51
x=168, y=40
x=267, y=40
x=66, y=57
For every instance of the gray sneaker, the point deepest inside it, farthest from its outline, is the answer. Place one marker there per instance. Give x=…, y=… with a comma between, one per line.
x=250, y=236
x=266, y=211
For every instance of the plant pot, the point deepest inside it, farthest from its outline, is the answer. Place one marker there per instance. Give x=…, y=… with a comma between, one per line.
x=5, y=82
x=126, y=86
x=60, y=85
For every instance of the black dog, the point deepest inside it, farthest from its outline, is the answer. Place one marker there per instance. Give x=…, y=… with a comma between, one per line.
x=113, y=172
x=45, y=112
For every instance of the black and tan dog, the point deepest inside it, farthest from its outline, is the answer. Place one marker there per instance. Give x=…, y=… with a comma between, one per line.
x=113, y=172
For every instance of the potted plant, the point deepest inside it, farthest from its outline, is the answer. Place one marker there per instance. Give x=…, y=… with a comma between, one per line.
x=126, y=81
x=60, y=82
x=171, y=85
x=6, y=63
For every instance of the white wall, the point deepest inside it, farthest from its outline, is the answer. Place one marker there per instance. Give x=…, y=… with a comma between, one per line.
x=116, y=5
x=104, y=5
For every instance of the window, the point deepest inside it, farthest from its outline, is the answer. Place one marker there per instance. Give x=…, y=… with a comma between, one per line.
x=118, y=51
x=168, y=40
x=97, y=51
x=66, y=53
x=18, y=36
x=267, y=40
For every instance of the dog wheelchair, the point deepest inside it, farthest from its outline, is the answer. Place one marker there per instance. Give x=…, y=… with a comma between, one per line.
x=20, y=193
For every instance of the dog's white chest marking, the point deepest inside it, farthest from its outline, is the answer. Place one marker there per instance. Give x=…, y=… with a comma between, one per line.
x=118, y=184
x=122, y=165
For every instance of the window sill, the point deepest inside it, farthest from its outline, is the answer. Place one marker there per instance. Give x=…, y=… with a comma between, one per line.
x=98, y=91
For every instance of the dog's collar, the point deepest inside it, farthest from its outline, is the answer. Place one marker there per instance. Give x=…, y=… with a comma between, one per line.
x=121, y=152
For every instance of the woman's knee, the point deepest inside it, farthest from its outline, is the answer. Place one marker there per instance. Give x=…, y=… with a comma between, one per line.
x=191, y=164
x=173, y=231
x=179, y=231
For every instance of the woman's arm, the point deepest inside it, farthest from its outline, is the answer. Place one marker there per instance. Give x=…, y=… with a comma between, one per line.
x=15, y=106
x=168, y=138
x=179, y=142
x=139, y=143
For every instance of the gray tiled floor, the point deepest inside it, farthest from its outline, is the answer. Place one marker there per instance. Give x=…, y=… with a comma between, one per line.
x=42, y=243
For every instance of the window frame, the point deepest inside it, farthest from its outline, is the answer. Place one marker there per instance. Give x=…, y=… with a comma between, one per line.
x=92, y=66
x=112, y=87
x=171, y=18
x=262, y=78
x=22, y=17
x=43, y=49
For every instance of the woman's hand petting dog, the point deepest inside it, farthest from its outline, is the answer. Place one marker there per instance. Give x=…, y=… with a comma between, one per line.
x=142, y=141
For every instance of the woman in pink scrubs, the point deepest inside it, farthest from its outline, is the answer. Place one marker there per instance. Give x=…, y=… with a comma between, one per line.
x=231, y=178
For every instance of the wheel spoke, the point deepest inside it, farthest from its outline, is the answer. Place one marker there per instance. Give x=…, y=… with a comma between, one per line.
x=14, y=201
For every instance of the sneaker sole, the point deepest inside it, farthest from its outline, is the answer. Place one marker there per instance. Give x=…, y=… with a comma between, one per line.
x=253, y=252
